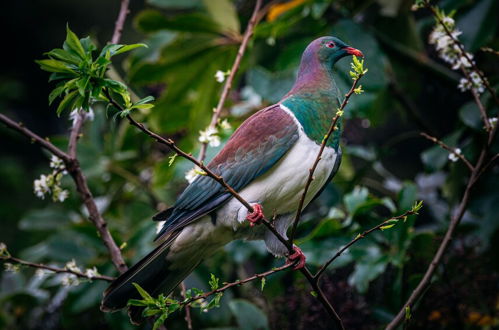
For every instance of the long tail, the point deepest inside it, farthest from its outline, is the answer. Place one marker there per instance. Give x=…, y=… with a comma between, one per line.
x=152, y=273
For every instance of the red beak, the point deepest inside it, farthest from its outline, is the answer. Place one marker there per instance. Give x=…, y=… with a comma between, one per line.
x=353, y=51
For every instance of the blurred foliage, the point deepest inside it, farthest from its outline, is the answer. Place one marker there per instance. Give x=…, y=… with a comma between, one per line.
x=386, y=167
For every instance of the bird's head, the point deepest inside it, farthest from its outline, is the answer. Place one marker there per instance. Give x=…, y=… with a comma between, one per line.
x=330, y=49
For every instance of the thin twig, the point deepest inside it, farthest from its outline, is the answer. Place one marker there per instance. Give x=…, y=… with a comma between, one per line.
x=449, y=149
x=237, y=283
x=45, y=143
x=323, y=268
x=120, y=21
x=187, y=307
x=55, y=269
x=476, y=97
x=319, y=155
x=75, y=133
x=235, y=66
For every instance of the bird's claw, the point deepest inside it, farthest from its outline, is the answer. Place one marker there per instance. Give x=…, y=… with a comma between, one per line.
x=296, y=257
x=255, y=217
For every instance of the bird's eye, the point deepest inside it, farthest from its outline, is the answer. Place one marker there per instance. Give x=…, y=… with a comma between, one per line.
x=330, y=44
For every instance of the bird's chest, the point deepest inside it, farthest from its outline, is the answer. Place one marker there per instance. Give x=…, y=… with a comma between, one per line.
x=280, y=189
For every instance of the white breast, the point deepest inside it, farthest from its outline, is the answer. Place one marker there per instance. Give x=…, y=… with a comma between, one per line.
x=280, y=189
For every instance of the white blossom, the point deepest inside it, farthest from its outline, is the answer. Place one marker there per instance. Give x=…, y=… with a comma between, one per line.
x=71, y=265
x=69, y=280
x=63, y=194
x=453, y=156
x=476, y=83
x=56, y=163
x=210, y=136
x=225, y=125
x=492, y=122
x=3, y=249
x=191, y=175
x=87, y=115
x=92, y=272
x=41, y=186
x=220, y=76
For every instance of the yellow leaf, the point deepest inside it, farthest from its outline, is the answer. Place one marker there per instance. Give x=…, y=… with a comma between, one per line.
x=280, y=8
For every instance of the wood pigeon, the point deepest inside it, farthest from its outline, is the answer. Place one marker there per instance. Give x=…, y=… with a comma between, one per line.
x=267, y=161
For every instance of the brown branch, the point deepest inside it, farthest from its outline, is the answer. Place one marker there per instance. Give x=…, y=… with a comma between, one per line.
x=237, y=283
x=449, y=149
x=319, y=155
x=75, y=133
x=478, y=169
x=44, y=143
x=120, y=21
x=187, y=307
x=55, y=269
x=235, y=66
x=321, y=271
x=476, y=97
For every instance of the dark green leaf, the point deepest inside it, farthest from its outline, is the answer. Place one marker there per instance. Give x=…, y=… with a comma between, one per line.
x=74, y=43
x=63, y=55
x=67, y=102
x=52, y=65
x=55, y=93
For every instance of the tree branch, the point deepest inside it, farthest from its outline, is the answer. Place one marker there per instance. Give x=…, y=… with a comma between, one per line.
x=75, y=132
x=235, y=66
x=449, y=149
x=120, y=21
x=55, y=269
x=321, y=270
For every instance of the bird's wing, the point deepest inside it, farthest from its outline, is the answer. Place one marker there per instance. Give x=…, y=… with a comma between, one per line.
x=252, y=150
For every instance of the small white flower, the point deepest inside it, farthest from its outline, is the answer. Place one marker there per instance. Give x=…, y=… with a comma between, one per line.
x=492, y=122
x=69, y=280
x=63, y=194
x=448, y=21
x=71, y=265
x=210, y=136
x=191, y=175
x=225, y=125
x=87, y=115
x=41, y=186
x=56, y=163
x=220, y=76
x=453, y=157
x=91, y=272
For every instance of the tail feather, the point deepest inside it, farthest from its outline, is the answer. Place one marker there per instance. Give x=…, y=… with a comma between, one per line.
x=151, y=273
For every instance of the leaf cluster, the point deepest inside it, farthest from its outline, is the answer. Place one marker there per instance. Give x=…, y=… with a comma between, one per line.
x=82, y=77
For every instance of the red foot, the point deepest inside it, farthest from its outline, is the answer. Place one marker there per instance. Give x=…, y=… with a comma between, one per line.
x=296, y=257
x=255, y=217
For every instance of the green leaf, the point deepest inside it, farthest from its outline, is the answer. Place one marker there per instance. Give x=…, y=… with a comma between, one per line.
x=74, y=43
x=143, y=106
x=262, y=283
x=213, y=282
x=55, y=93
x=146, y=99
x=224, y=13
x=143, y=293
x=52, y=65
x=127, y=48
x=159, y=322
x=63, y=55
x=153, y=20
x=151, y=311
x=66, y=102
x=136, y=302
x=82, y=84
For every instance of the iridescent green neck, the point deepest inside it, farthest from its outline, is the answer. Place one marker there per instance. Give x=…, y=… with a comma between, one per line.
x=315, y=106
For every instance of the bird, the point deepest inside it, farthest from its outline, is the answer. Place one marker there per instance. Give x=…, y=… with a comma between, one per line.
x=267, y=161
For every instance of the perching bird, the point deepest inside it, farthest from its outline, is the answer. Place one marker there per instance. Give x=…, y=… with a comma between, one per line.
x=267, y=160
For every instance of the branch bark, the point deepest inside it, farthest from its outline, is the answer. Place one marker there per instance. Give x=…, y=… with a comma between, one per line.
x=235, y=66
x=55, y=269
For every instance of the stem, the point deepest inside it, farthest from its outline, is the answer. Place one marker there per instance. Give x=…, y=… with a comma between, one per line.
x=449, y=149
x=55, y=269
x=120, y=21
x=235, y=66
